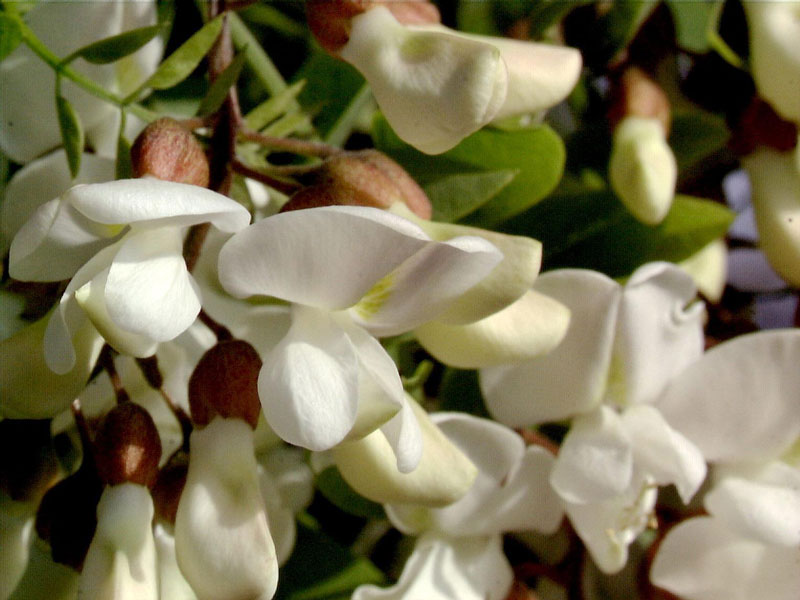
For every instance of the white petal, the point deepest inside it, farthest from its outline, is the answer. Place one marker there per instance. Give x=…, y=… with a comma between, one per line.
x=41, y=180
x=222, y=540
x=444, y=569
x=702, y=560
x=45, y=578
x=434, y=87
x=765, y=508
x=774, y=55
x=55, y=242
x=149, y=291
x=152, y=201
x=738, y=401
x=309, y=382
x=608, y=527
x=572, y=378
x=663, y=453
x=533, y=325
x=443, y=476
x=659, y=333
x=380, y=390
x=171, y=582
x=279, y=517
x=709, y=270
x=508, y=281
x=426, y=284
x=327, y=257
x=121, y=561
x=403, y=432
x=595, y=460
x=775, y=178
x=643, y=169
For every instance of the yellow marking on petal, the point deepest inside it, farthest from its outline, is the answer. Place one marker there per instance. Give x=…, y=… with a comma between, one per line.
x=375, y=298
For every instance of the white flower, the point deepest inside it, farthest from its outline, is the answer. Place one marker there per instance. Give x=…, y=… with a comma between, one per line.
x=222, y=538
x=459, y=552
x=348, y=271
x=622, y=347
x=775, y=181
x=436, y=86
x=738, y=404
x=774, y=53
x=121, y=242
x=121, y=561
x=643, y=169
x=30, y=127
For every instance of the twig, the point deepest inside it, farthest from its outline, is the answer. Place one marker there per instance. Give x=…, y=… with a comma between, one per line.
x=295, y=146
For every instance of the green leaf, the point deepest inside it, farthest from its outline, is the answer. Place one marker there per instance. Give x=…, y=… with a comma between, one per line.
x=270, y=16
x=274, y=107
x=319, y=568
x=620, y=25
x=71, y=133
x=124, y=166
x=219, y=89
x=455, y=196
x=10, y=35
x=179, y=65
x=547, y=13
x=593, y=230
x=477, y=17
x=694, y=20
x=460, y=392
x=537, y=153
x=119, y=46
x=695, y=135
x=331, y=484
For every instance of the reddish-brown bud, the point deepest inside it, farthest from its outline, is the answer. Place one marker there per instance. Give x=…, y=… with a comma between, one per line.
x=225, y=383
x=364, y=178
x=168, y=151
x=329, y=20
x=127, y=446
x=637, y=95
x=169, y=486
x=760, y=125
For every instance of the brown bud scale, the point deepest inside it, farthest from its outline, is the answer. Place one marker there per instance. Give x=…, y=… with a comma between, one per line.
x=166, y=150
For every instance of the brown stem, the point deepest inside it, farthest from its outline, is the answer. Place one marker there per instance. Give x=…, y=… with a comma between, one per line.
x=218, y=329
x=285, y=187
x=106, y=361
x=152, y=373
x=303, y=147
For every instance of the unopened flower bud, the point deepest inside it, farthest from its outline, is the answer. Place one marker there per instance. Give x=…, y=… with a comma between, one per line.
x=225, y=383
x=169, y=485
x=168, y=151
x=637, y=95
x=759, y=125
x=364, y=178
x=128, y=447
x=329, y=20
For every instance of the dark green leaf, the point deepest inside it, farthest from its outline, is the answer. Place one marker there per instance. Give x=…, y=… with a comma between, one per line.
x=693, y=22
x=320, y=568
x=620, y=25
x=477, y=17
x=455, y=196
x=272, y=17
x=119, y=46
x=594, y=231
x=547, y=13
x=274, y=107
x=71, y=134
x=124, y=167
x=537, y=153
x=179, y=65
x=219, y=89
x=695, y=135
x=10, y=35
x=331, y=484
x=460, y=392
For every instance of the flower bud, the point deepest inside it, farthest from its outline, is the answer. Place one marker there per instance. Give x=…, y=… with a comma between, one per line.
x=225, y=383
x=759, y=125
x=127, y=446
x=329, y=20
x=169, y=485
x=643, y=169
x=364, y=178
x=637, y=95
x=167, y=151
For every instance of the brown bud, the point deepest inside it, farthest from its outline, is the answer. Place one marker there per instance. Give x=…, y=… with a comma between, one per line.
x=168, y=151
x=637, y=95
x=169, y=485
x=225, y=383
x=364, y=178
x=760, y=125
x=127, y=446
x=329, y=20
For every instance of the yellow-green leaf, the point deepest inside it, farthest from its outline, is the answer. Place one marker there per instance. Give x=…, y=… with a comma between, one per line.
x=119, y=46
x=219, y=89
x=71, y=134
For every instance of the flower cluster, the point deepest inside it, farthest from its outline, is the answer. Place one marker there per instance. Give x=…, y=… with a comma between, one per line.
x=446, y=324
